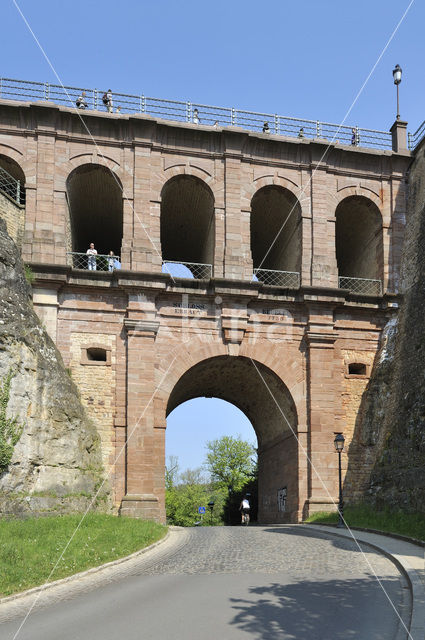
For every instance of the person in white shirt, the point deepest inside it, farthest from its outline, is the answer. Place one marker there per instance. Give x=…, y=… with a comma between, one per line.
x=81, y=101
x=91, y=261
x=245, y=508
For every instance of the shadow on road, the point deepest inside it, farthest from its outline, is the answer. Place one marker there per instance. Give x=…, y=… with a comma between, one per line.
x=321, y=610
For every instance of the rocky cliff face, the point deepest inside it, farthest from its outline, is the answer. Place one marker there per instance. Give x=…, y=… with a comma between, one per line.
x=392, y=421
x=56, y=464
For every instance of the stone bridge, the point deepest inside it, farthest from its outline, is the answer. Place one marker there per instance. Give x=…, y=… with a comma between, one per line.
x=290, y=250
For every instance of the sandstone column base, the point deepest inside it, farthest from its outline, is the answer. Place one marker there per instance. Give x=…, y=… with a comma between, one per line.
x=140, y=506
x=321, y=504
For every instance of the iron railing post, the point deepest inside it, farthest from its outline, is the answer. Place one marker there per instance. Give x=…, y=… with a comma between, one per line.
x=188, y=112
x=95, y=99
x=46, y=90
x=317, y=129
x=276, y=123
x=232, y=117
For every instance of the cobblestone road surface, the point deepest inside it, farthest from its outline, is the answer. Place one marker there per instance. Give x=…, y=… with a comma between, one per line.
x=259, y=581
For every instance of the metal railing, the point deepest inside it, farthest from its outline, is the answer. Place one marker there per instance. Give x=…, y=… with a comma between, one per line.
x=362, y=286
x=197, y=113
x=192, y=270
x=284, y=279
x=11, y=187
x=415, y=138
x=99, y=262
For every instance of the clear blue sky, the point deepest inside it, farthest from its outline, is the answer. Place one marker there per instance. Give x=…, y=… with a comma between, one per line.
x=306, y=59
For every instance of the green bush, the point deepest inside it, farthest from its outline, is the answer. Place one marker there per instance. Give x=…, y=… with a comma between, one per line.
x=182, y=505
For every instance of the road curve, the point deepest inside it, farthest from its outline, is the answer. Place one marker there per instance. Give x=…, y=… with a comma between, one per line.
x=226, y=583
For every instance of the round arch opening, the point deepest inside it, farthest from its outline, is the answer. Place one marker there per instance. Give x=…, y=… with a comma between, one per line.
x=262, y=396
x=358, y=236
x=13, y=169
x=276, y=234
x=95, y=209
x=190, y=427
x=187, y=221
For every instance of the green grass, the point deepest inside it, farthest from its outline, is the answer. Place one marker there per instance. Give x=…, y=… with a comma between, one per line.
x=30, y=549
x=365, y=516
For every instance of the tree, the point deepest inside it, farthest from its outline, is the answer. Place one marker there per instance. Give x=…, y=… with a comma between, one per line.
x=171, y=472
x=193, y=476
x=231, y=462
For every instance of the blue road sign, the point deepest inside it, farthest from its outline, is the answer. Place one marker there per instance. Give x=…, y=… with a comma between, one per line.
x=201, y=509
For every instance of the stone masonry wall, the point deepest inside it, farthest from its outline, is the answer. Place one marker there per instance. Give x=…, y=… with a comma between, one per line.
x=14, y=216
x=393, y=417
x=96, y=383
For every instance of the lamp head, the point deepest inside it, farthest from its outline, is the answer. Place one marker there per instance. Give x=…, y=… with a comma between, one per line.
x=339, y=442
x=397, y=71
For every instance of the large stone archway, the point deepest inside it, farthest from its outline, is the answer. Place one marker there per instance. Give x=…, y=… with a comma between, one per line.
x=267, y=403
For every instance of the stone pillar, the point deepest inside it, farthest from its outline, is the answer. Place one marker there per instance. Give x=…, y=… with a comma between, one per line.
x=399, y=138
x=324, y=411
x=141, y=239
x=140, y=499
x=324, y=266
x=237, y=252
x=46, y=218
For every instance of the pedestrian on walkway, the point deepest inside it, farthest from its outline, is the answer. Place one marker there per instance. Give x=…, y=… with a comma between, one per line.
x=195, y=118
x=111, y=261
x=266, y=128
x=91, y=260
x=107, y=101
x=81, y=101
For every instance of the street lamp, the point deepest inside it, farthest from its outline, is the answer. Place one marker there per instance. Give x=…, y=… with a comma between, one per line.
x=339, y=446
x=397, y=79
x=211, y=507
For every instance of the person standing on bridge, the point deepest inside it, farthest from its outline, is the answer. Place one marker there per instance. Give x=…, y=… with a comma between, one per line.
x=107, y=101
x=91, y=261
x=81, y=101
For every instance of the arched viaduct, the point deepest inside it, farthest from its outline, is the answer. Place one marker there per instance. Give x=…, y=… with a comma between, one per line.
x=293, y=250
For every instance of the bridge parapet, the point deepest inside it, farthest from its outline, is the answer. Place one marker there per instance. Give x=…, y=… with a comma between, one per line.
x=187, y=111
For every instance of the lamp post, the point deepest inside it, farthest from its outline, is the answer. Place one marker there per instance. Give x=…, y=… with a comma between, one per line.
x=211, y=507
x=397, y=79
x=339, y=446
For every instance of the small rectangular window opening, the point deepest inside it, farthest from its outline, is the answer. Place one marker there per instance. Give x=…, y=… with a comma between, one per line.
x=357, y=369
x=97, y=354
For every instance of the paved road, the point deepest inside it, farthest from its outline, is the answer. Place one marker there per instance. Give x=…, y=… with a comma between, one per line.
x=226, y=583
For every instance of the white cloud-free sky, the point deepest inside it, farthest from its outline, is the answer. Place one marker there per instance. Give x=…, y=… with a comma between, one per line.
x=306, y=59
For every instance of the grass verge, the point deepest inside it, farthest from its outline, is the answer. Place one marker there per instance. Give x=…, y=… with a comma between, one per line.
x=29, y=549
x=365, y=516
